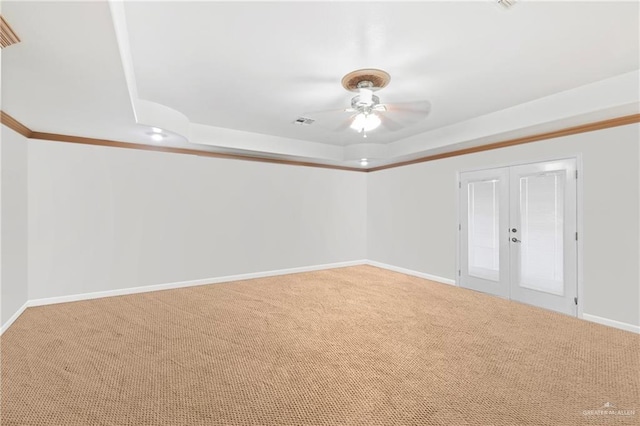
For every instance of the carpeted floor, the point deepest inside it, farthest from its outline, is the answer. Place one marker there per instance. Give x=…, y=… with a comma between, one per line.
x=350, y=346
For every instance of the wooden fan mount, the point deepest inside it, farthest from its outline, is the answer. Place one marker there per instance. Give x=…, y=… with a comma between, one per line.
x=377, y=78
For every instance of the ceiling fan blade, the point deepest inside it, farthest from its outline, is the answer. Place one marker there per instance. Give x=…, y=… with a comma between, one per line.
x=345, y=124
x=417, y=107
x=389, y=123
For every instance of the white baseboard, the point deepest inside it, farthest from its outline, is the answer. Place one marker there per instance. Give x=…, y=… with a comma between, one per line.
x=14, y=317
x=181, y=284
x=593, y=318
x=411, y=272
x=612, y=323
x=143, y=289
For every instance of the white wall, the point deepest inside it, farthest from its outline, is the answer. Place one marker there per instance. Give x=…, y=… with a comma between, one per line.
x=13, y=206
x=412, y=221
x=104, y=218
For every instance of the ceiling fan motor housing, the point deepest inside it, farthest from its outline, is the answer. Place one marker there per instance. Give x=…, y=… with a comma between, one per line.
x=357, y=103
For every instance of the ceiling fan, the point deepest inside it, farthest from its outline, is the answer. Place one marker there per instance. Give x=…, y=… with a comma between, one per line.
x=367, y=113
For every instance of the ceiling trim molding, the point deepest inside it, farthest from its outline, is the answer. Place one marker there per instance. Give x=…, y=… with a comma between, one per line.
x=7, y=35
x=116, y=144
x=589, y=127
x=15, y=125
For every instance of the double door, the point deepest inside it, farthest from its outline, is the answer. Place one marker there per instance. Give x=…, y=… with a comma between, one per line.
x=518, y=235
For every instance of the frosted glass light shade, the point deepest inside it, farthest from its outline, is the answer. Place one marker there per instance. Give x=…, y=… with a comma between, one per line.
x=365, y=122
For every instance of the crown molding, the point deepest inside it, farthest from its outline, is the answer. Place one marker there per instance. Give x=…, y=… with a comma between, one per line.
x=589, y=127
x=14, y=124
x=116, y=144
x=7, y=35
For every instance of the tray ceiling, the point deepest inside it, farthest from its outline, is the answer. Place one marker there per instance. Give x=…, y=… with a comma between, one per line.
x=233, y=76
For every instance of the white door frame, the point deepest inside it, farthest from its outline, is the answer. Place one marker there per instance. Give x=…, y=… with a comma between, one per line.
x=579, y=215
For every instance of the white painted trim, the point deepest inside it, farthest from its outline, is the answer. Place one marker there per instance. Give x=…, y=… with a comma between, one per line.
x=181, y=284
x=458, y=230
x=593, y=318
x=533, y=160
x=412, y=272
x=580, y=229
x=14, y=317
x=144, y=289
x=577, y=157
x=612, y=323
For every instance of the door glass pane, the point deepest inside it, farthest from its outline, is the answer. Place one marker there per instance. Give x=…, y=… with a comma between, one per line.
x=541, y=233
x=484, y=247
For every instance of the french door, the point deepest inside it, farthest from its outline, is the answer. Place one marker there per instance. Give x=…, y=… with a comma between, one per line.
x=518, y=233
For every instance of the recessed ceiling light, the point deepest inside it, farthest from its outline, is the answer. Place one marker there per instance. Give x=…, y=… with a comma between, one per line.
x=156, y=134
x=364, y=162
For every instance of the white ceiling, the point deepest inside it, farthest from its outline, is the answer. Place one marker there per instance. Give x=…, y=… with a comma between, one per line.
x=233, y=76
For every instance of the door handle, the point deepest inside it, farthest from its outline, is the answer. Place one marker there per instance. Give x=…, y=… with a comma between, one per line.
x=515, y=240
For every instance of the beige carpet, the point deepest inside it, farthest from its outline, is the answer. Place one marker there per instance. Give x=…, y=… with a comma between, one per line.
x=351, y=346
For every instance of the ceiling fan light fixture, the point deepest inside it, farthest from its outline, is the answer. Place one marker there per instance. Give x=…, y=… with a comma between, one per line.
x=365, y=122
x=366, y=111
x=358, y=122
x=373, y=121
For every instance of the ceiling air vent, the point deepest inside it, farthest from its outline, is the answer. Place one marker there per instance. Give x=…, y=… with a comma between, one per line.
x=7, y=35
x=303, y=121
x=506, y=3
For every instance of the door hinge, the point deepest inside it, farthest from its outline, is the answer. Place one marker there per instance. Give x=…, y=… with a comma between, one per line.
x=460, y=185
x=575, y=300
x=459, y=227
x=576, y=236
x=459, y=272
x=576, y=174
